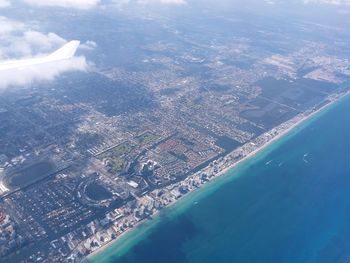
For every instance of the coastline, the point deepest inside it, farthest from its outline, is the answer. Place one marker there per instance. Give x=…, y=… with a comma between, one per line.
x=286, y=129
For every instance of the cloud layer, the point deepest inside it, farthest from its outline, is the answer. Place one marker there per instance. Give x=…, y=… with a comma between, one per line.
x=78, y=4
x=19, y=41
x=169, y=2
x=4, y=3
x=334, y=2
x=40, y=73
x=89, y=4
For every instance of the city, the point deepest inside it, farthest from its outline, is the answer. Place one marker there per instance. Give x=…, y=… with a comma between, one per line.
x=82, y=165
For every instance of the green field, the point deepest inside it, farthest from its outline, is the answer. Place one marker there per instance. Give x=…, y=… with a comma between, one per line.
x=117, y=157
x=146, y=138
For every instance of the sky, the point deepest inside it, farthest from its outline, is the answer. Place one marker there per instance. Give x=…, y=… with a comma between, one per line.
x=23, y=39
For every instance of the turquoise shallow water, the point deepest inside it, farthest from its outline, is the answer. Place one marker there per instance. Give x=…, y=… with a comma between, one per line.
x=296, y=209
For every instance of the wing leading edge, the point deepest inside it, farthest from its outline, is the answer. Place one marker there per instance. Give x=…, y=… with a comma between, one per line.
x=63, y=53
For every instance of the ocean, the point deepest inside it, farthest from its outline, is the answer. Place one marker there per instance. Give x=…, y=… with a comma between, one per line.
x=288, y=204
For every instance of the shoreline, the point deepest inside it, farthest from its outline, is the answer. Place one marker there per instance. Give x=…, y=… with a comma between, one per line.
x=287, y=130
x=253, y=147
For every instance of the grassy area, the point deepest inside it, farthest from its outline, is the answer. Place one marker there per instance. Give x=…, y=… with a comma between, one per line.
x=115, y=157
x=146, y=138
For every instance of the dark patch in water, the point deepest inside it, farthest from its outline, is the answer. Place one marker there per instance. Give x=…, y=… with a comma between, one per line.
x=172, y=243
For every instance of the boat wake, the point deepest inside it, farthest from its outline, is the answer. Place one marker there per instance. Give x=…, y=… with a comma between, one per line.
x=304, y=158
x=267, y=163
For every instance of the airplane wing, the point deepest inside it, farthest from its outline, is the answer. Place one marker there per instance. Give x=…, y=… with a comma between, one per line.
x=63, y=53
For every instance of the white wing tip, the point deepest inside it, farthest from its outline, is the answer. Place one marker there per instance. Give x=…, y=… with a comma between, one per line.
x=67, y=51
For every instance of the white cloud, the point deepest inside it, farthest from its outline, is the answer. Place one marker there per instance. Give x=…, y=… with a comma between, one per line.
x=88, y=45
x=4, y=3
x=42, y=40
x=88, y=4
x=40, y=73
x=334, y=2
x=172, y=2
x=167, y=2
x=8, y=26
x=17, y=41
x=77, y=4
x=28, y=43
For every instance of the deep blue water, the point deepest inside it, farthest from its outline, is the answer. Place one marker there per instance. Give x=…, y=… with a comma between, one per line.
x=296, y=209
